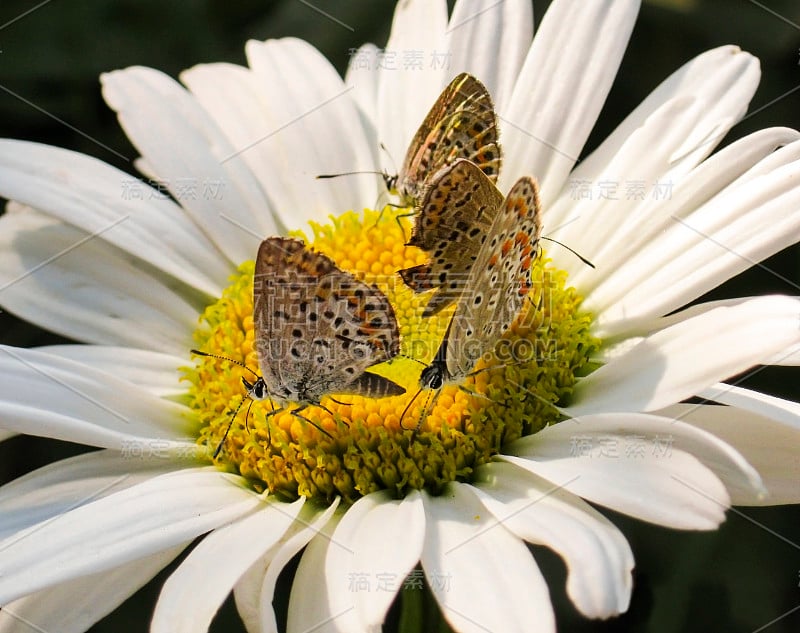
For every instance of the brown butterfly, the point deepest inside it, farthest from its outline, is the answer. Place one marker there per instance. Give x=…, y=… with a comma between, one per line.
x=461, y=124
x=317, y=330
x=482, y=249
x=317, y=327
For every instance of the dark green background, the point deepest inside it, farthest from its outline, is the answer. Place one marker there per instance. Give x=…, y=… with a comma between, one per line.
x=740, y=578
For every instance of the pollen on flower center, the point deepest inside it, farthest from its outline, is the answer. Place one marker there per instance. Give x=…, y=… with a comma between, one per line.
x=388, y=443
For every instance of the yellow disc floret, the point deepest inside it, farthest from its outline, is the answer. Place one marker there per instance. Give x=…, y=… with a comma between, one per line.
x=411, y=441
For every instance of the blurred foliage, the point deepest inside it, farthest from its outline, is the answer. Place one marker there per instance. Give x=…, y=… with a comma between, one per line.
x=743, y=577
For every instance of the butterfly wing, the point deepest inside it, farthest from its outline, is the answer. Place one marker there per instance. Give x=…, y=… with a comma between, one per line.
x=317, y=327
x=499, y=281
x=461, y=124
x=456, y=215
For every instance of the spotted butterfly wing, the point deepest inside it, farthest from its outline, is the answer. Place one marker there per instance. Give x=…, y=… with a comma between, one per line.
x=318, y=328
x=455, y=218
x=461, y=124
x=499, y=280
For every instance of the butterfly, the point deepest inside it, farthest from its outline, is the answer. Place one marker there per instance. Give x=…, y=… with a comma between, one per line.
x=461, y=124
x=317, y=330
x=482, y=249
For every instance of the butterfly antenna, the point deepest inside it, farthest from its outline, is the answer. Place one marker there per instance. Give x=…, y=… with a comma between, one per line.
x=383, y=174
x=391, y=158
x=230, y=424
x=578, y=255
x=416, y=360
x=231, y=360
x=430, y=401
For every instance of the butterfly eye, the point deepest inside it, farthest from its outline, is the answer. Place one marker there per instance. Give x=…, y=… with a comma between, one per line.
x=256, y=390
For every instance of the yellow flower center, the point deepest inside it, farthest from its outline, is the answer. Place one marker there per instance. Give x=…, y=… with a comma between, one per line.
x=384, y=443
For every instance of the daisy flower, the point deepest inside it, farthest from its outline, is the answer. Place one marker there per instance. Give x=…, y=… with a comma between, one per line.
x=596, y=413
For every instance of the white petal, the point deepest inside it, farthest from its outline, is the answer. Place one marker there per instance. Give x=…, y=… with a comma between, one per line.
x=788, y=357
x=747, y=222
x=320, y=610
x=683, y=359
x=463, y=543
x=636, y=329
x=153, y=516
x=361, y=566
x=598, y=558
x=769, y=445
x=62, y=279
x=640, y=327
x=328, y=138
x=45, y=395
x=4, y=435
x=599, y=223
x=155, y=372
x=654, y=215
x=783, y=411
x=362, y=74
x=240, y=117
x=490, y=39
x=75, y=605
x=184, y=147
x=637, y=464
x=724, y=79
x=289, y=132
x=63, y=485
x=191, y=596
x=100, y=199
x=561, y=88
x=254, y=592
x=415, y=66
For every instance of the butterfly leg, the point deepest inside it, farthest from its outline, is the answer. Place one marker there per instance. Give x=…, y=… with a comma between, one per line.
x=397, y=219
x=332, y=414
x=504, y=365
x=477, y=394
x=403, y=215
x=296, y=413
x=408, y=406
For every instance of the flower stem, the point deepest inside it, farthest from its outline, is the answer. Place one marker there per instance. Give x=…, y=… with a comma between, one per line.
x=420, y=612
